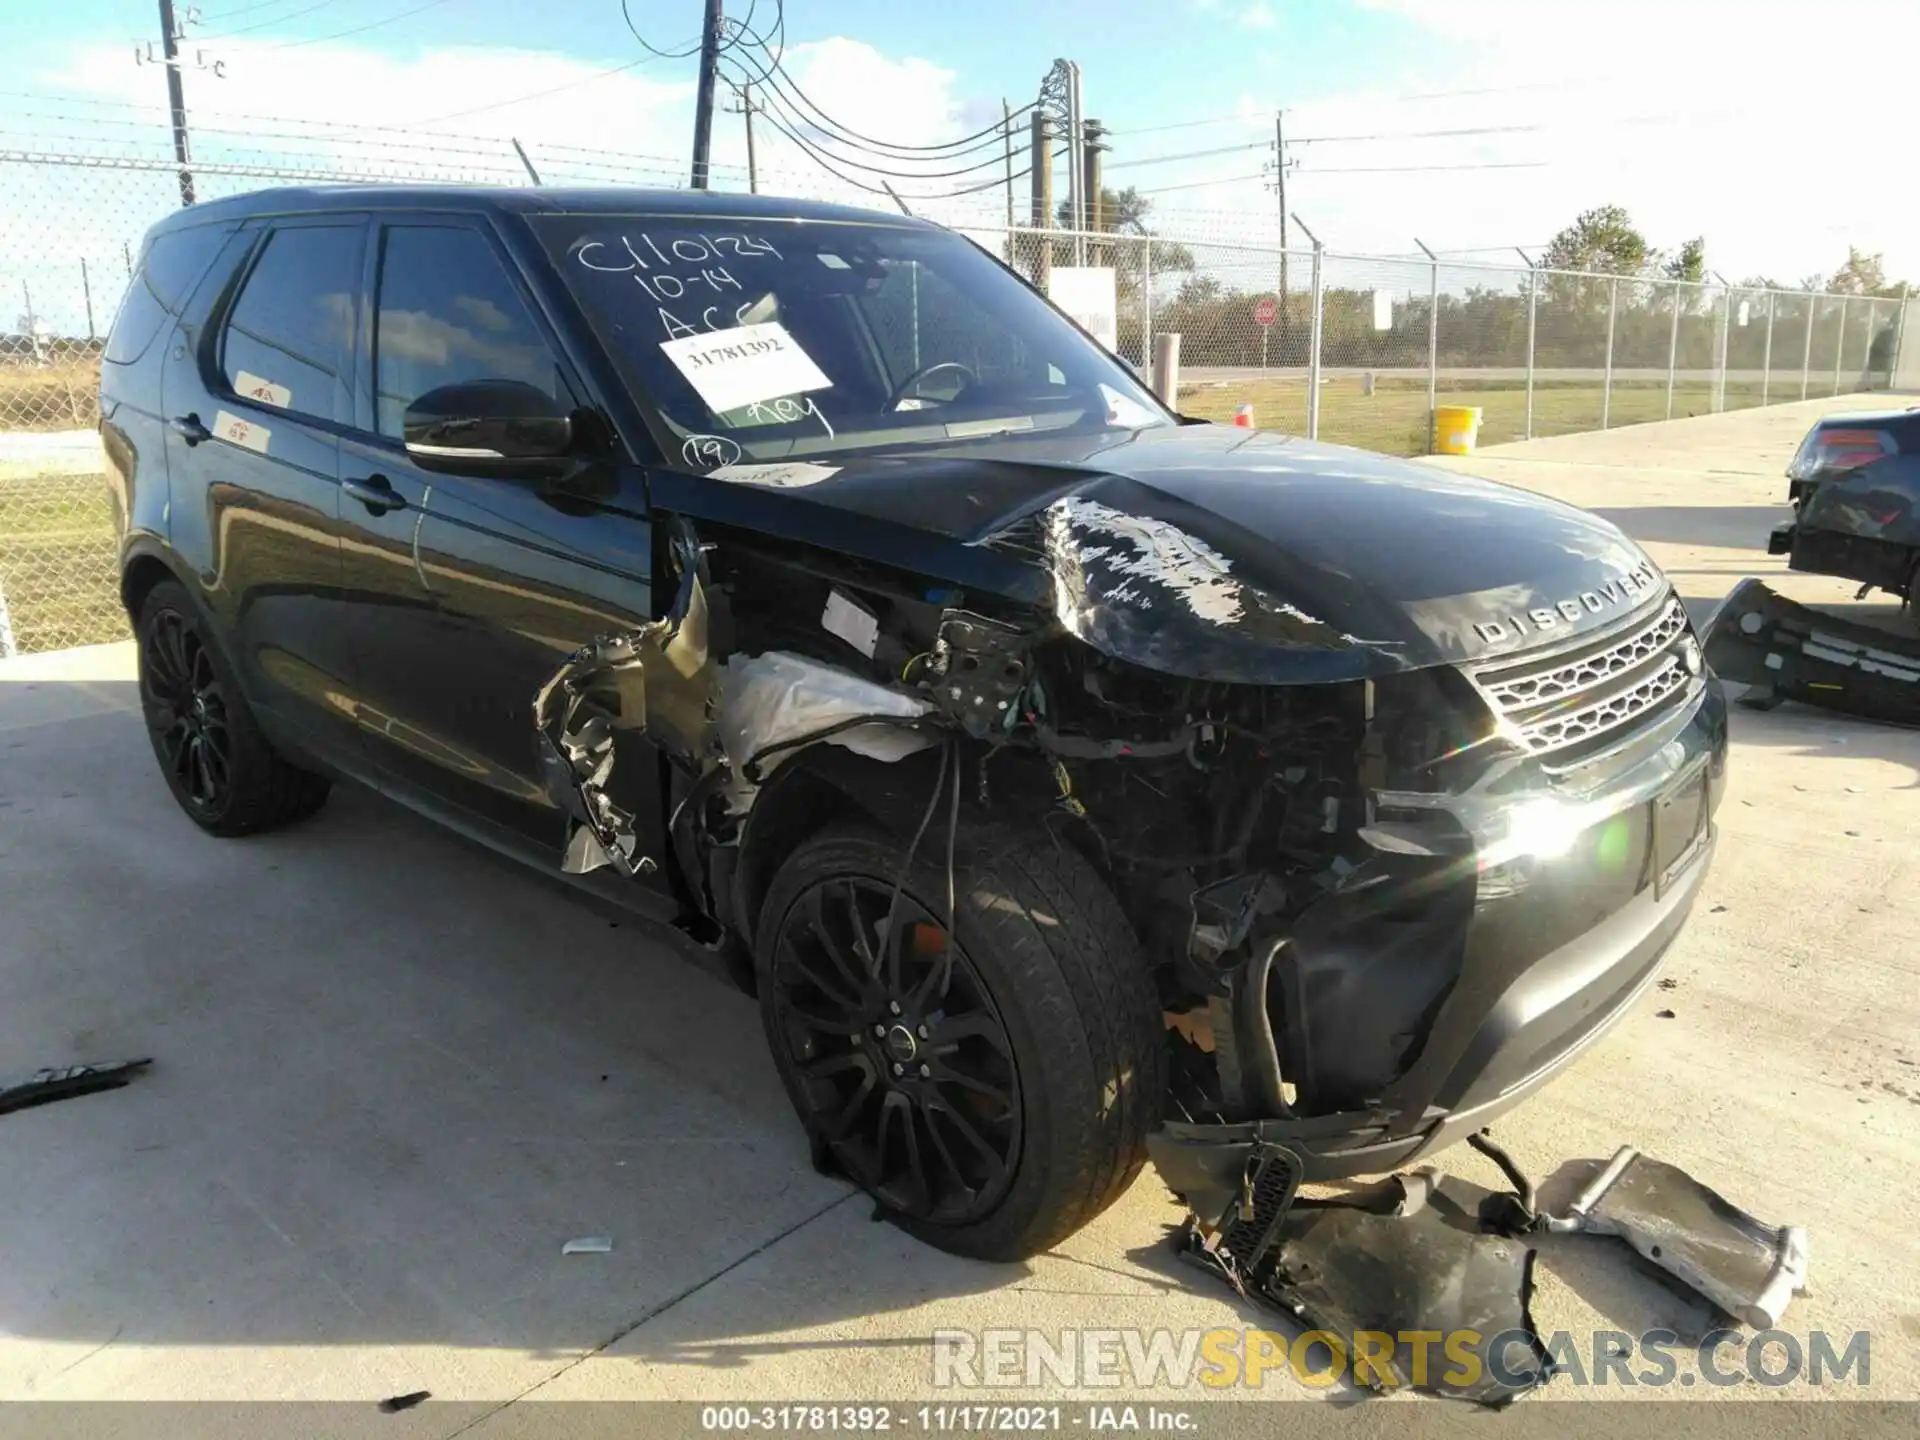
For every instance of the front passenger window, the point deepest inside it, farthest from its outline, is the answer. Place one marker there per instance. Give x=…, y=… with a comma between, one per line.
x=449, y=313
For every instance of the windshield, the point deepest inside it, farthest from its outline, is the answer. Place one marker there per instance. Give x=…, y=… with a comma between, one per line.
x=766, y=340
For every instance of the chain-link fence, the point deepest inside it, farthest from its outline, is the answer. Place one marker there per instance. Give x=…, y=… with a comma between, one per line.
x=1350, y=348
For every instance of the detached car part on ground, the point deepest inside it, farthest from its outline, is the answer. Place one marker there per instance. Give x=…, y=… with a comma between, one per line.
x=1786, y=651
x=1429, y=1255
x=1070, y=781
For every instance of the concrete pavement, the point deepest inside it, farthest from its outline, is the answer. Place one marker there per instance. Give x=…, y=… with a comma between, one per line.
x=393, y=1073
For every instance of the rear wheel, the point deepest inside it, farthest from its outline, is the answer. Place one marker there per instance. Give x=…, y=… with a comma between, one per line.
x=993, y=1095
x=216, y=762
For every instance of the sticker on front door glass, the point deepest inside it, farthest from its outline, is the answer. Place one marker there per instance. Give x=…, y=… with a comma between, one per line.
x=732, y=368
x=252, y=387
x=247, y=433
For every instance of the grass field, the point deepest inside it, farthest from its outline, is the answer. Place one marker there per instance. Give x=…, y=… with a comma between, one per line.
x=1394, y=418
x=58, y=571
x=60, y=396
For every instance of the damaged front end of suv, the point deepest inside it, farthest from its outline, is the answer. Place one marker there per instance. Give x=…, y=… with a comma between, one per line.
x=1073, y=780
x=1393, y=852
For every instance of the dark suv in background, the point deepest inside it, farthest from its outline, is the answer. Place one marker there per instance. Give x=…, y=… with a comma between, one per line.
x=1068, y=779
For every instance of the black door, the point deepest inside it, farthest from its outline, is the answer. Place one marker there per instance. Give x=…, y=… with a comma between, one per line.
x=470, y=593
x=256, y=401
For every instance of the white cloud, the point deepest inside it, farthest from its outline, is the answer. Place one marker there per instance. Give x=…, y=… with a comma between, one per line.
x=1767, y=127
x=1257, y=16
x=438, y=113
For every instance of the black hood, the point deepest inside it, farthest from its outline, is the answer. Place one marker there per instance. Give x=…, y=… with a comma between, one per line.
x=1209, y=551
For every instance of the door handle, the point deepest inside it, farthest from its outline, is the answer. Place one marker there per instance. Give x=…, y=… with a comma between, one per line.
x=376, y=492
x=189, y=429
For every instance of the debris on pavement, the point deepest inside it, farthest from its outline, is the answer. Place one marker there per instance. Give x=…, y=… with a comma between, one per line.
x=64, y=1082
x=1418, y=1251
x=1786, y=651
x=1748, y=1268
x=1663, y=1015
x=394, y=1404
x=1424, y=1251
x=588, y=1245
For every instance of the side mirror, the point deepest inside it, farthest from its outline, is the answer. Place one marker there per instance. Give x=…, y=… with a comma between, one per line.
x=503, y=428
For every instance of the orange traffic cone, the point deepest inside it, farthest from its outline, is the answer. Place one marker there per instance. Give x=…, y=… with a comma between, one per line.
x=1243, y=417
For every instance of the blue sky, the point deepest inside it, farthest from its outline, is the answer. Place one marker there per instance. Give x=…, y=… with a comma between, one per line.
x=1473, y=125
x=1147, y=63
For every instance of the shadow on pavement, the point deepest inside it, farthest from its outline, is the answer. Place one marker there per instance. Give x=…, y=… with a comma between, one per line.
x=393, y=1073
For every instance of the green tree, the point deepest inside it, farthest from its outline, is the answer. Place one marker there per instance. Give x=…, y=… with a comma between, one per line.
x=1603, y=239
x=1688, y=263
x=1865, y=274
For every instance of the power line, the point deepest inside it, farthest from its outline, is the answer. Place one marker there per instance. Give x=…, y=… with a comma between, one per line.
x=831, y=168
x=772, y=100
x=1412, y=169
x=361, y=29
x=1355, y=170
x=262, y=24
x=221, y=17
x=774, y=75
x=1243, y=119
x=1192, y=155
x=693, y=47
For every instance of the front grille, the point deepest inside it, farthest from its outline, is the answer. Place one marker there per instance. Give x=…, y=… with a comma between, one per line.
x=1566, y=702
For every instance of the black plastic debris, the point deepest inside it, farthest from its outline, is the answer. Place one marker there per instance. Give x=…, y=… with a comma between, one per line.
x=43, y=1087
x=394, y=1404
x=1418, y=1253
x=1421, y=1252
x=1433, y=1253
x=1786, y=651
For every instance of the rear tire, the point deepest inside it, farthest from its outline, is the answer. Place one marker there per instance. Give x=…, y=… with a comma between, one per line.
x=1046, y=1042
x=220, y=768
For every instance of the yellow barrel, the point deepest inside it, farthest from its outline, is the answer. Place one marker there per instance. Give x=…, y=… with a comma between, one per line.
x=1455, y=429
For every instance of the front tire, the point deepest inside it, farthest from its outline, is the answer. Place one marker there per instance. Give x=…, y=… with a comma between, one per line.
x=216, y=762
x=991, y=1105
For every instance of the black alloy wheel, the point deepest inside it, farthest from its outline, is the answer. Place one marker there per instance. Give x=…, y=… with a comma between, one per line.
x=220, y=768
x=902, y=1063
x=186, y=706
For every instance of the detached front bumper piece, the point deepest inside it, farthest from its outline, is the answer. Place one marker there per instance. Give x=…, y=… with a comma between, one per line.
x=1789, y=652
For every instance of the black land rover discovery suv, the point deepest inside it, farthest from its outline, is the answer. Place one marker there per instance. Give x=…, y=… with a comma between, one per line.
x=1069, y=779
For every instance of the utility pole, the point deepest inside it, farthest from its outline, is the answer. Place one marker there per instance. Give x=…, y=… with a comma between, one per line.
x=703, y=101
x=176, y=97
x=1092, y=142
x=745, y=108
x=1280, y=184
x=1006, y=112
x=1040, y=183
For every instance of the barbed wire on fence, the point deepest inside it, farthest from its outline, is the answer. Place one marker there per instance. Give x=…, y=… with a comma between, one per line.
x=1538, y=352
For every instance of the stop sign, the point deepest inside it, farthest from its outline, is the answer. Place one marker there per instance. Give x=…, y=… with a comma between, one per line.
x=1265, y=309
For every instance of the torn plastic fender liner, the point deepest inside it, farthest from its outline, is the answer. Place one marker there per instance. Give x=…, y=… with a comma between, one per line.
x=658, y=680
x=1788, y=651
x=1417, y=1253
x=777, y=699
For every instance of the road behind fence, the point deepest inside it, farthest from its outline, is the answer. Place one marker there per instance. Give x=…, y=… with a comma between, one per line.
x=1354, y=349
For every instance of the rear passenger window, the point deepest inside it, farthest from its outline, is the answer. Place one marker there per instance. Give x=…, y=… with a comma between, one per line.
x=448, y=313
x=290, y=332
x=170, y=267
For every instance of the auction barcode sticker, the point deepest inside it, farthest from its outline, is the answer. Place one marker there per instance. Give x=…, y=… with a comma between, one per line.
x=732, y=368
